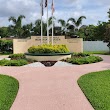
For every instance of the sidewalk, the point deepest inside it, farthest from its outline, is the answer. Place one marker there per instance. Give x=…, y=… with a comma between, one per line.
x=52, y=88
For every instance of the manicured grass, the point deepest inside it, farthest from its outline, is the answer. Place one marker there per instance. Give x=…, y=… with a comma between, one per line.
x=96, y=87
x=8, y=91
x=98, y=52
x=4, y=53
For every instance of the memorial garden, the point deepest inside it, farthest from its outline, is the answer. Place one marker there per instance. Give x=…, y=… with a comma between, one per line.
x=43, y=65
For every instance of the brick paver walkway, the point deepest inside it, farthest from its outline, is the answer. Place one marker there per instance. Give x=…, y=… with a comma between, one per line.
x=52, y=88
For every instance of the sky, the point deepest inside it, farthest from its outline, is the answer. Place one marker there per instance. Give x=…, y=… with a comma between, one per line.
x=94, y=10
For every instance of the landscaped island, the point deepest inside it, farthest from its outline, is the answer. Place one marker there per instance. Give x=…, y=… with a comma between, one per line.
x=48, y=52
x=83, y=58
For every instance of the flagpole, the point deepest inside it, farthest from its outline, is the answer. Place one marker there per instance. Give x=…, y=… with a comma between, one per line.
x=41, y=28
x=47, y=25
x=52, y=29
x=41, y=20
x=52, y=20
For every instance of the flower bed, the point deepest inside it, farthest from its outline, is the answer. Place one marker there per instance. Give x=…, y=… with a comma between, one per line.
x=48, y=52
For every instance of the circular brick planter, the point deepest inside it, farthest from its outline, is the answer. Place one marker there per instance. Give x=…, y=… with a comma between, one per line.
x=48, y=57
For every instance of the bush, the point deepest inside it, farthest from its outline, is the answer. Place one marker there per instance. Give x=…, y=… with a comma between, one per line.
x=13, y=62
x=84, y=60
x=4, y=62
x=6, y=46
x=80, y=54
x=42, y=49
x=17, y=56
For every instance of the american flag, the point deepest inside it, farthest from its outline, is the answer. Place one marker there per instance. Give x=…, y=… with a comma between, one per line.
x=52, y=7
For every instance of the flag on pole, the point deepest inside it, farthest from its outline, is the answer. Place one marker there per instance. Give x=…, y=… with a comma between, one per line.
x=46, y=3
x=52, y=7
x=41, y=4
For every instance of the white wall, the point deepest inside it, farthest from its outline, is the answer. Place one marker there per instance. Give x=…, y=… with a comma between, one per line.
x=95, y=46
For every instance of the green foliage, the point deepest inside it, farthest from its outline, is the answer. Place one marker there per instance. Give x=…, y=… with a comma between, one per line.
x=8, y=91
x=17, y=56
x=6, y=46
x=96, y=87
x=77, y=22
x=80, y=54
x=27, y=30
x=13, y=62
x=92, y=32
x=4, y=32
x=16, y=28
x=107, y=36
x=97, y=52
x=42, y=49
x=84, y=60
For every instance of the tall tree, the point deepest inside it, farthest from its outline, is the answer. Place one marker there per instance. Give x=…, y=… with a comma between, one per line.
x=4, y=32
x=107, y=36
x=77, y=22
x=50, y=24
x=27, y=29
x=17, y=25
x=37, y=28
x=64, y=25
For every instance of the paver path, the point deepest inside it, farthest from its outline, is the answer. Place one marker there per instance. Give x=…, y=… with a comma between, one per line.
x=52, y=88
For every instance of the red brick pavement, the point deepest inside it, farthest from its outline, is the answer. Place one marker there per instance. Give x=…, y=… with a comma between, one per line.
x=52, y=88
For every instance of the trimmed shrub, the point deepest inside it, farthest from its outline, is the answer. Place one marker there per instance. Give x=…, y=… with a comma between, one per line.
x=6, y=46
x=84, y=60
x=17, y=56
x=80, y=54
x=4, y=62
x=13, y=62
x=42, y=49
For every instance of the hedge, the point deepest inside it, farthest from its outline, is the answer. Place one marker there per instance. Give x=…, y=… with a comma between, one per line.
x=48, y=48
x=6, y=46
x=13, y=62
x=17, y=56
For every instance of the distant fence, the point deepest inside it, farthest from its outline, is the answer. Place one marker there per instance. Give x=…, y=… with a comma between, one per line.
x=95, y=46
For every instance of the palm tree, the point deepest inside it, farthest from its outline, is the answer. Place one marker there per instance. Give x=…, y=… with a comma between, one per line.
x=50, y=21
x=63, y=25
x=27, y=29
x=37, y=27
x=77, y=22
x=17, y=27
x=50, y=24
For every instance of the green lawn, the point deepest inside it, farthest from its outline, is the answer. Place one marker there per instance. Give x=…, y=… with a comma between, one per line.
x=96, y=87
x=8, y=91
x=98, y=52
x=4, y=53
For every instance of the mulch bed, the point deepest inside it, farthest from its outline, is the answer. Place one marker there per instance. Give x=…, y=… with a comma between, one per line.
x=48, y=63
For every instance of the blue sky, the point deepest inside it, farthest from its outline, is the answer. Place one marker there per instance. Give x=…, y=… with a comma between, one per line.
x=94, y=10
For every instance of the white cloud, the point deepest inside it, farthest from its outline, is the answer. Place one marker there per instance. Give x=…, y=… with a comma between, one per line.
x=64, y=9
